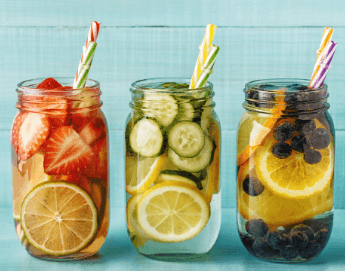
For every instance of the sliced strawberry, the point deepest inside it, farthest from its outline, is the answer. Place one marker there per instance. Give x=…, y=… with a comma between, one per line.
x=98, y=168
x=93, y=131
x=48, y=84
x=29, y=132
x=66, y=153
x=55, y=107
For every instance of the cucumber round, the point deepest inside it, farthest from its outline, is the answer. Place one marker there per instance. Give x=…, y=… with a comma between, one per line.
x=194, y=164
x=146, y=138
x=186, y=138
x=162, y=106
x=177, y=175
x=186, y=111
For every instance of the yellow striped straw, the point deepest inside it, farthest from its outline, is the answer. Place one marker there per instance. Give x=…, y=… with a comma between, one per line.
x=205, y=47
x=326, y=37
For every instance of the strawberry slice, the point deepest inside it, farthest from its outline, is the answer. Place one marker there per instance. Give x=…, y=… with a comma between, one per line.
x=98, y=169
x=66, y=153
x=48, y=84
x=29, y=132
x=93, y=130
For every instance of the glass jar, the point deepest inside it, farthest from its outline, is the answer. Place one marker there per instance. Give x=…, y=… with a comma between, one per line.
x=59, y=145
x=285, y=159
x=172, y=169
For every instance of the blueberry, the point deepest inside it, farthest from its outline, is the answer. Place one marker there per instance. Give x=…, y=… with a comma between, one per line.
x=284, y=131
x=253, y=94
x=302, y=88
x=289, y=252
x=308, y=127
x=252, y=186
x=281, y=150
x=277, y=239
x=266, y=96
x=305, y=229
x=322, y=237
x=299, y=240
x=290, y=97
x=300, y=143
x=322, y=118
x=320, y=138
x=247, y=241
x=267, y=87
x=293, y=86
x=256, y=227
x=311, y=250
x=312, y=157
x=262, y=248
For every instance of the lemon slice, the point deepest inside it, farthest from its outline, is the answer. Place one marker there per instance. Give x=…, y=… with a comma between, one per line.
x=141, y=172
x=276, y=210
x=58, y=218
x=292, y=177
x=132, y=218
x=173, y=211
x=32, y=173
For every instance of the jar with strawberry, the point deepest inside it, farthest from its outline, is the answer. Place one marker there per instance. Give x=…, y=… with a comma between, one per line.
x=59, y=143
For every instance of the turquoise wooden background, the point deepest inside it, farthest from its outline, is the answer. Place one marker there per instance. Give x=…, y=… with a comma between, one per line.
x=142, y=39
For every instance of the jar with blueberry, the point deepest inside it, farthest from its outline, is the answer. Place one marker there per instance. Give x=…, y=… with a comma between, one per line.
x=285, y=162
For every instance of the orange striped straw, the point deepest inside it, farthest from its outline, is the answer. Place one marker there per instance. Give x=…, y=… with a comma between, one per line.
x=92, y=36
x=203, y=53
x=326, y=37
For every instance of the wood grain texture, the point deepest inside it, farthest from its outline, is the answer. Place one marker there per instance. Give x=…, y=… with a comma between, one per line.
x=181, y=13
x=126, y=55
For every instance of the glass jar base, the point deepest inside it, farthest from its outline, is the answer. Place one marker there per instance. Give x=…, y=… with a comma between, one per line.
x=72, y=257
x=173, y=257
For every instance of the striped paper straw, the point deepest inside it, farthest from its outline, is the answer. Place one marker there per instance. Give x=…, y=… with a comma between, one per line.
x=326, y=37
x=203, y=54
x=85, y=66
x=91, y=37
x=206, y=69
x=325, y=64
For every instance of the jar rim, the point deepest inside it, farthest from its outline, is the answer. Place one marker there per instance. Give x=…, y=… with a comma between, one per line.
x=282, y=82
x=139, y=85
x=28, y=86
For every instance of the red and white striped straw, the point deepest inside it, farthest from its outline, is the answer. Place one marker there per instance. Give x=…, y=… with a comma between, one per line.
x=92, y=36
x=325, y=65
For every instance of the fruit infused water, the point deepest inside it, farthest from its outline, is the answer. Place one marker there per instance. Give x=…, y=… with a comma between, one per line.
x=172, y=169
x=285, y=159
x=59, y=145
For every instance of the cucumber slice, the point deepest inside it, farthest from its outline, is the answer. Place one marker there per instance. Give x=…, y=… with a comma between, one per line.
x=186, y=138
x=177, y=175
x=146, y=138
x=186, y=111
x=195, y=164
x=162, y=106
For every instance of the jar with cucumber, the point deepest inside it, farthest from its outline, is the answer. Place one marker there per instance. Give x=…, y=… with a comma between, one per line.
x=172, y=169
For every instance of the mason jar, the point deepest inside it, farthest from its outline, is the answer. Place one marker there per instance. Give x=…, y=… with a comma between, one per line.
x=172, y=169
x=59, y=143
x=285, y=162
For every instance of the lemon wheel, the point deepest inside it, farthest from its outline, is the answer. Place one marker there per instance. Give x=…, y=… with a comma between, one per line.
x=58, y=218
x=141, y=172
x=173, y=211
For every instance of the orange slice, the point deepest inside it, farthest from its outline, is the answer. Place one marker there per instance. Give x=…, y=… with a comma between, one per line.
x=276, y=210
x=254, y=128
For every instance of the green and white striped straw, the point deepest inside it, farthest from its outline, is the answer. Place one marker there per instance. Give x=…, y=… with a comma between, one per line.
x=206, y=70
x=85, y=66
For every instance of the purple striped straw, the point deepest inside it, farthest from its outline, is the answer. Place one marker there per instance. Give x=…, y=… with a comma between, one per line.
x=325, y=64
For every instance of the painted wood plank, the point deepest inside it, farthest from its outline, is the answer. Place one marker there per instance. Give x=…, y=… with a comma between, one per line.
x=126, y=55
x=180, y=13
x=117, y=181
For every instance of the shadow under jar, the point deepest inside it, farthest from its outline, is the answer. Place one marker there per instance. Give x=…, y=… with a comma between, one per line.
x=59, y=166
x=285, y=159
x=172, y=169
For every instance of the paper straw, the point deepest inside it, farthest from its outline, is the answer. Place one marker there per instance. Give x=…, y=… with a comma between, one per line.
x=203, y=54
x=91, y=37
x=326, y=37
x=85, y=66
x=206, y=70
x=325, y=65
